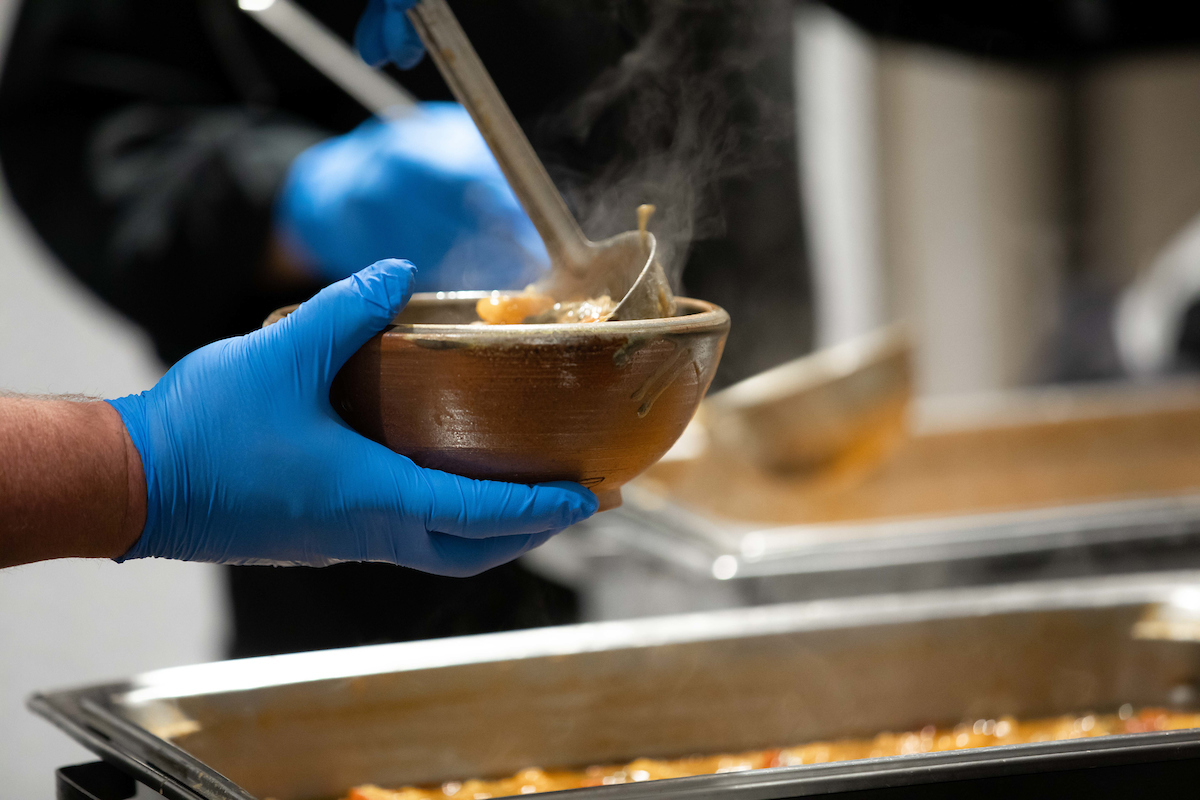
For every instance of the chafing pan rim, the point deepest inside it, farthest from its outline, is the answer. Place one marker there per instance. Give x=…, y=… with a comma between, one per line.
x=269, y=671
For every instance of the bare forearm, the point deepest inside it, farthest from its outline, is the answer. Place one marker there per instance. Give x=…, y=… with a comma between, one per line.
x=71, y=481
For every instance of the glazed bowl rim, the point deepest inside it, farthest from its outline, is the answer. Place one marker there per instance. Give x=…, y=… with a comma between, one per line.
x=705, y=317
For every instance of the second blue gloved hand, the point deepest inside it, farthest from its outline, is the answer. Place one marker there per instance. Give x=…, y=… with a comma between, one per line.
x=425, y=185
x=246, y=462
x=384, y=34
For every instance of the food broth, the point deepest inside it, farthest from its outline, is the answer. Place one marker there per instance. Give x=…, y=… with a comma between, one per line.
x=981, y=733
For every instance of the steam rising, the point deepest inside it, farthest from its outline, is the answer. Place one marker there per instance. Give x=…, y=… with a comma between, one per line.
x=683, y=113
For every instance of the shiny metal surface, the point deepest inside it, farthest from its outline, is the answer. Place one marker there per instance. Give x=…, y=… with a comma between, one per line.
x=726, y=549
x=311, y=725
x=814, y=409
x=1049, y=473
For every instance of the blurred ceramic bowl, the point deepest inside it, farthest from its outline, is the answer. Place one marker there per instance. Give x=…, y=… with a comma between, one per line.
x=593, y=403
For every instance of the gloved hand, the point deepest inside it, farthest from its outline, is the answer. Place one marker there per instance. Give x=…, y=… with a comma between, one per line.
x=384, y=34
x=425, y=185
x=246, y=462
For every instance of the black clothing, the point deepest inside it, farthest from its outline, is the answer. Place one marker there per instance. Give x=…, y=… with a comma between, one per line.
x=1031, y=31
x=132, y=150
x=282, y=610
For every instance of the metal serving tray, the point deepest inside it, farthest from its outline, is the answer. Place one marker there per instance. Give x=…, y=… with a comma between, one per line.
x=311, y=725
x=1047, y=471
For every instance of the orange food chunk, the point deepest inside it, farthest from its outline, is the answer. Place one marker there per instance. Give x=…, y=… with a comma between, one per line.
x=500, y=308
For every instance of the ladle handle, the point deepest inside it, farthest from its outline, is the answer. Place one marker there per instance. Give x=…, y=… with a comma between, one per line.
x=451, y=50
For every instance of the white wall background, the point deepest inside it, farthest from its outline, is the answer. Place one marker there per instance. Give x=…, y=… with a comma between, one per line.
x=837, y=77
x=935, y=195
x=65, y=623
x=974, y=197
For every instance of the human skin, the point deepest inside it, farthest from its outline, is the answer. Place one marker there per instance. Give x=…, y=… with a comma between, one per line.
x=71, y=481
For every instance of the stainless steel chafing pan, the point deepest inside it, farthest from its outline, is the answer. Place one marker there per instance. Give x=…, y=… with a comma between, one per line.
x=1055, y=473
x=311, y=725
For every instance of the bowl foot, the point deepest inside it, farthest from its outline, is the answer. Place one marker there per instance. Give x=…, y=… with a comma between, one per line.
x=608, y=500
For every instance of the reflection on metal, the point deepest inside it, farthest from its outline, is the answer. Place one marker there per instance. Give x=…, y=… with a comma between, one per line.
x=1177, y=620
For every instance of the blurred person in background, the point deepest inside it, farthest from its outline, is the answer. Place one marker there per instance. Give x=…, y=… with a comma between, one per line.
x=196, y=174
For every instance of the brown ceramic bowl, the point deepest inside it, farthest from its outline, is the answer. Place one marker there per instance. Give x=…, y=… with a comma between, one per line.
x=592, y=403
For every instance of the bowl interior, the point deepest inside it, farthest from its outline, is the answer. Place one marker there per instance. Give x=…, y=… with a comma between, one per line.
x=458, y=308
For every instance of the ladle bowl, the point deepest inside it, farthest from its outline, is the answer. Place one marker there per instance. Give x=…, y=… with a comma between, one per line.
x=848, y=401
x=624, y=267
x=594, y=403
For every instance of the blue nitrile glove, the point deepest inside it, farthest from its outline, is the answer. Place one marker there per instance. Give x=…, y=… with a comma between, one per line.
x=247, y=463
x=384, y=34
x=425, y=185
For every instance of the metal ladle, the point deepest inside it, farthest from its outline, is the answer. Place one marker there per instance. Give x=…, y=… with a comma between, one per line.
x=624, y=266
